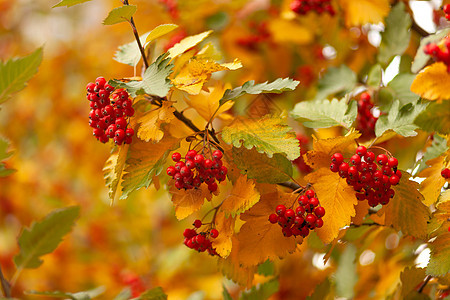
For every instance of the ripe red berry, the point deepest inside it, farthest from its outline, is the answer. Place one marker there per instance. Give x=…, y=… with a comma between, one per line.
x=176, y=156
x=130, y=132
x=190, y=154
x=445, y=173
x=300, y=211
x=314, y=202
x=273, y=218
x=355, y=159
x=369, y=157
x=303, y=200
x=392, y=162
x=197, y=223
x=171, y=171
x=217, y=154
x=121, y=123
x=280, y=209
x=100, y=82
x=212, y=187
x=198, y=159
x=334, y=167
x=289, y=213
x=310, y=218
x=343, y=167
x=394, y=179
x=214, y=233
x=319, y=211
x=337, y=158
x=361, y=151
x=382, y=159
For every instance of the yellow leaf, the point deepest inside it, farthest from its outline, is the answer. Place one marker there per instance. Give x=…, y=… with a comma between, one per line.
x=150, y=122
x=431, y=186
x=113, y=170
x=242, y=197
x=338, y=199
x=360, y=12
x=260, y=240
x=289, y=31
x=362, y=209
x=232, y=269
x=187, y=43
x=225, y=226
x=206, y=103
x=197, y=71
x=324, y=149
x=188, y=201
x=443, y=209
x=432, y=83
x=406, y=211
x=159, y=31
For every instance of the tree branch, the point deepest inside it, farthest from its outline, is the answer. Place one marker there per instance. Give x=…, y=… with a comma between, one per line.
x=422, y=32
x=136, y=36
x=424, y=283
x=6, y=287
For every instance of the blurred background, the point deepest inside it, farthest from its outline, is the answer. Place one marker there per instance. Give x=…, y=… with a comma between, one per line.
x=137, y=243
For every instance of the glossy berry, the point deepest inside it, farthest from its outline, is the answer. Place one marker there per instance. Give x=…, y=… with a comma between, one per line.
x=445, y=173
x=361, y=150
x=214, y=233
x=319, y=211
x=392, y=162
x=273, y=218
x=176, y=157
x=382, y=159
x=280, y=209
x=197, y=223
x=337, y=158
x=310, y=193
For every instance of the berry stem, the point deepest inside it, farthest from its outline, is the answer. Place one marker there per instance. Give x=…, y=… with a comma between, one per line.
x=136, y=36
x=424, y=283
x=381, y=148
x=6, y=287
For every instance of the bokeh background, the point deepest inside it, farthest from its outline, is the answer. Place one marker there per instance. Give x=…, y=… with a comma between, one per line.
x=137, y=243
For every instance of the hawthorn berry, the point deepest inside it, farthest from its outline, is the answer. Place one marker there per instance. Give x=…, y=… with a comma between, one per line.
x=445, y=173
x=214, y=233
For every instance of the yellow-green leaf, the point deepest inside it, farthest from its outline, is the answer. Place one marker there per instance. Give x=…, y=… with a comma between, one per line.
x=439, y=264
x=120, y=14
x=289, y=31
x=268, y=135
x=338, y=199
x=159, y=31
x=113, y=170
x=406, y=211
x=242, y=197
x=432, y=82
x=187, y=43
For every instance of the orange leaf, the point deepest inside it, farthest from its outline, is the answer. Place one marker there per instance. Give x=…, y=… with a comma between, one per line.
x=324, y=149
x=362, y=209
x=443, y=209
x=260, y=240
x=225, y=226
x=150, y=122
x=432, y=82
x=431, y=186
x=360, y=12
x=406, y=211
x=338, y=199
x=242, y=197
x=188, y=201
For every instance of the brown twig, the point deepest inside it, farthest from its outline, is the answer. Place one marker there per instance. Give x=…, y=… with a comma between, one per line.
x=424, y=283
x=136, y=36
x=6, y=286
x=292, y=185
x=422, y=32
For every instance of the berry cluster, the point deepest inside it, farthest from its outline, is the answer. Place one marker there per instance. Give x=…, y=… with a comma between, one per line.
x=438, y=53
x=200, y=241
x=446, y=10
x=259, y=35
x=109, y=117
x=363, y=174
x=302, y=7
x=365, y=121
x=445, y=173
x=307, y=216
x=300, y=162
x=197, y=169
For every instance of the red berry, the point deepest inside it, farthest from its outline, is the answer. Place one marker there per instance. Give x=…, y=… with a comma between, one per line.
x=355, y=159
x=319, y=211
x=337, y=158
x=197, y=223
x=300, y=210
x=319, y=223
x=198, y=159
x=100, y=82
x=394, y=179
x=382, y=159
x=217, y=154
x=334, y=167
x=130, y=132
x=369, y=157
x=289, y=213
x=171, y=171
x=287, y=232
x=314, y=201
x=310, y=218
x=365, y=97
x=303, y=200
x=176, y=156
x=392, y=162
x=273, y=218
x=214, y=233
x=343, y=167
x=445, y=173
x=121, y=123
x=90, y=87
x=190, y=154
x=361, y=150
x=280, y=209
x=310, y=193
x=212, y=187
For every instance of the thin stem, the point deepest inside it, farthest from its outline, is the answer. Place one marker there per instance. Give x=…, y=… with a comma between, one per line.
x=422, y=32
x=424, y=283
x=381, y=148
x=136, y=36
x=6, y=287
x=292, y=185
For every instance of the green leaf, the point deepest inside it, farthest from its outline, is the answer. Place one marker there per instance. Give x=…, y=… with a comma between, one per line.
x=267, y=268
x=400, y=119
x=160, y=31
x=69, y=3
x=225, y=294
x=85, y=295
x=323, y=291
x=275, y=87
x=154, y=81
x=400, y=86
x=4, y=154
x=421, y=59
x=346, y=276
x=262, y=168
x=395, y=38
x=120, y=14
x=44, y=236
x=435, y=118
x=374, y=77
x=325, y=113
x=156, y=293
x=15, y=73
x=145, y=160
x=113, y=170
x=336, y=80
x=439, y=264
x=268, y=135
x=262, y=291
x=130, y=54
x=437, y=148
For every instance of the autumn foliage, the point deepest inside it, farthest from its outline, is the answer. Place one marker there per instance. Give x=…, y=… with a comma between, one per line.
x=289, y=149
